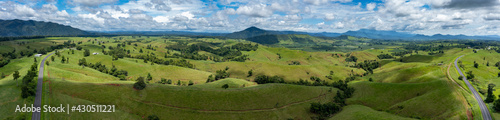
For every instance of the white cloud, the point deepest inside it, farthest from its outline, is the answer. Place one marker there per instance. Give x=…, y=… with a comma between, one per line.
x=329, y=16
x=50, y=7
x=93, y=2
x=257, y=10
x=24, y=11
x=299, y=15
x=371, y=6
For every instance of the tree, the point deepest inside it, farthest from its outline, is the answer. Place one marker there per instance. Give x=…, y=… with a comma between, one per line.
x=499, y=74
x=496, y=105
x=225, y=86
x=460, y=77
x=190, y=83
x=140, y=84
x=16, y=75
x=47, y=63
x=210, y=78
x=63, y=59
x=149, y=77
x=490, y=97
x=35, y=60
x=52, y=57
x=371, y=79
x=179, y=82
x=169, y=81
x=351, y=59
x=67, y=60
x=488, y=63
x=86, y=53
x=475, y=64
x=250, y=73
x=153, y=117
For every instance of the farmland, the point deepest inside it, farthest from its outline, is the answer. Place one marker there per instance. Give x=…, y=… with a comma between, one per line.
x=185, y=78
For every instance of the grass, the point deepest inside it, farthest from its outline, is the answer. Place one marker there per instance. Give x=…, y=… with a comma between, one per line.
x=284, y=101
x=414, y=88
x=419, y=100
x=360, y=112
x=233, y=83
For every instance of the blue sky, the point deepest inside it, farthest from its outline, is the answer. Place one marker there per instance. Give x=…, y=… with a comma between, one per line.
x=469, y=17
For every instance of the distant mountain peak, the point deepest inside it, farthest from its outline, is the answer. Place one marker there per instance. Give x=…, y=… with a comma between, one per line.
x=253, y=28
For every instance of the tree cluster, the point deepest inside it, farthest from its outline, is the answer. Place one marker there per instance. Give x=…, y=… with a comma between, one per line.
x=402, y=53
x=263, y=79
x=294, y=63
x=219, y=74
x=165, y=81
x=327, y=109
x=154, y=59
x=384, y=56
x=102, y=68
x=368, y=66
x=28, y=86
x=7, y=56
x=490, y=97
x=351, y=59
x=230, y=53
x=117, y=52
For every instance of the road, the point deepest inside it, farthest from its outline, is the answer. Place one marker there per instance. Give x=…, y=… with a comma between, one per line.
x=38, y=97
x=484, y=110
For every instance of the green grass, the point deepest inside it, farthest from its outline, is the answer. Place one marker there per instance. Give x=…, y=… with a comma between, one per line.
x=233, y=83
x=419, y=100
x=360, y=112
x=284, y=101
x=414, y=88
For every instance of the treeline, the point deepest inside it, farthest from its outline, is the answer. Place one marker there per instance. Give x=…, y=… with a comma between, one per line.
x=219, y=74
x=154, y=59
x=116, y=52
x=385, y=56
x=102, y=68
x=368, y=66
x=324, y=110
x=20, y=37
x=7, y=56
x=231, y=53
x=28, y=87
x=332, y=107
x=402, y=53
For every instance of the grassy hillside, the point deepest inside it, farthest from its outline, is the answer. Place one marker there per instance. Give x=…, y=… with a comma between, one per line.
x=412, y=86
x=360, y=112
x=192, y=102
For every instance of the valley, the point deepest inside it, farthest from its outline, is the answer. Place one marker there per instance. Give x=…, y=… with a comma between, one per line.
x=185, y=77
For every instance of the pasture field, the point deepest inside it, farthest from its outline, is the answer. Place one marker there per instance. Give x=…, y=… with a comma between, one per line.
x=413, y=84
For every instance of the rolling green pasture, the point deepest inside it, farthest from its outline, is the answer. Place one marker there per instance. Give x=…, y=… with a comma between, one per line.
x=416, y=88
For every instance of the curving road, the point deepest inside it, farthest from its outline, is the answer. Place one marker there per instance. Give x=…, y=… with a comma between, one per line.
x=38, y=97
x=484, y=110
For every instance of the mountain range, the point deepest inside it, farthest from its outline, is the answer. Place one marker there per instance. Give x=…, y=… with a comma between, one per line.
x=14, y=28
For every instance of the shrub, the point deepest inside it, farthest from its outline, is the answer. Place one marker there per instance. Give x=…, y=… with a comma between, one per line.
x=225, y=86
x=139, y=85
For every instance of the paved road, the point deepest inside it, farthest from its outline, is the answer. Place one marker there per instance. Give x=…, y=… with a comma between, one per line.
x=38, y=97
x=484, y=109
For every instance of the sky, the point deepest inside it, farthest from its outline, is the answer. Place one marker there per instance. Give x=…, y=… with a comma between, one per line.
x=429, y=17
